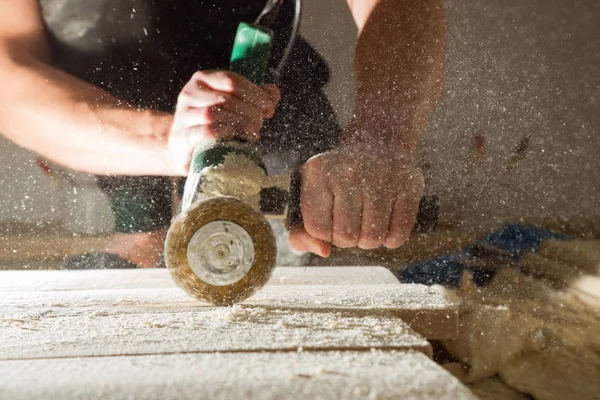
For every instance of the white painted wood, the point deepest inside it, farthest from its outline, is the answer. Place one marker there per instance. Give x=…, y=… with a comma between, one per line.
x=265, y=376
x=55, y=331
x=363, y=291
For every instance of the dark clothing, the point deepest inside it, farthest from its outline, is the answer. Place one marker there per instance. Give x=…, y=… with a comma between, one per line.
x=144, y=52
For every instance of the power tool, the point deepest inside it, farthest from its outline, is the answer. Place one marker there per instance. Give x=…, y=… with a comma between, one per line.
x=220, y=248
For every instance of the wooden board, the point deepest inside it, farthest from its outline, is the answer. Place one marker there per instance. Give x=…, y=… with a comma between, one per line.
x=355, y=291
x=426, y=310
x=311, y=333
x=160, y=278
x=59, y=331
x=265, y=376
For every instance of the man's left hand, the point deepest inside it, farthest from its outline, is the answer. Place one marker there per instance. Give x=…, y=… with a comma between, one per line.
x=354, y=197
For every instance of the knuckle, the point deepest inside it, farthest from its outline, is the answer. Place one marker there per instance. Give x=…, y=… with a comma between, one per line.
x=183, y=96
x=253, y=130
x=317, y=229
x=397, y=236
x=224, y=99
x=255, y=124
x=276, y=93
x=347, y=173
x=270, y=113
x=419, y=179
x=228, y=79
x=417, y=182
x=313, y=167
x=227, y=131
x=371, y=238
x=296, y=243
x=199, y=76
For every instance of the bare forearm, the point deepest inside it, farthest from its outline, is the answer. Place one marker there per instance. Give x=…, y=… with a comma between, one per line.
x=76, y=124
x=399, y=67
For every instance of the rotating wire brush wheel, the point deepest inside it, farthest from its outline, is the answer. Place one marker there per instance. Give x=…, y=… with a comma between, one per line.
x=220, y=250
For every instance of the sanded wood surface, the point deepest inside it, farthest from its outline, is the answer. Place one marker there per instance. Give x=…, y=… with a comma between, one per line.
x=265, y=376
x=160, y=278
x=354, y=291
x=310, y=333
x=50, y=332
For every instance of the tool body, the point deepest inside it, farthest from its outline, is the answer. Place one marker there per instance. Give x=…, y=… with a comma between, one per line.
x=221, y=248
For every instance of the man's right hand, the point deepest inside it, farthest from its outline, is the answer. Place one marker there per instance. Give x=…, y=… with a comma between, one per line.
x=218, y=105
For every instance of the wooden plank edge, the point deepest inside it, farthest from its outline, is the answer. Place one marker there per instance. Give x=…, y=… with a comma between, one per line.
x=427, y=350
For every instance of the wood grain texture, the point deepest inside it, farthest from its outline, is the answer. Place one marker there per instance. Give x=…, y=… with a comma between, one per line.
x=265, y=376
x=356, y=291
x=311, y=333
x=58, y=331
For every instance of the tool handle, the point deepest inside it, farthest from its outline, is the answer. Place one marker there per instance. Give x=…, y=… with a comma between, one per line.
x=427, y=216
x=251, y=52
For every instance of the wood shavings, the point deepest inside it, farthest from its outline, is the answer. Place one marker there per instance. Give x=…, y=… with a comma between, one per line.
x=236, y=176
x=531, y=334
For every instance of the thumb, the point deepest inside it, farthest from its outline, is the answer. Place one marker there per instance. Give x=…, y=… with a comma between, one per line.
x=302, y=241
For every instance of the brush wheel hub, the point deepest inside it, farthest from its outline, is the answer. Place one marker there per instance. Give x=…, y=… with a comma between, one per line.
x=220, y=253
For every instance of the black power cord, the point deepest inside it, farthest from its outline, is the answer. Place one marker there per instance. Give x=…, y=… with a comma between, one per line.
x=269, y=13
x=292, y=40
x=266, y=18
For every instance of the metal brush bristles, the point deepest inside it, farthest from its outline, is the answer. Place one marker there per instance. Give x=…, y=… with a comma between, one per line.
x=220, y=250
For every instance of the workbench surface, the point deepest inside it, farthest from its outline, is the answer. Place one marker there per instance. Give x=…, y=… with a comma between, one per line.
x=329, y=332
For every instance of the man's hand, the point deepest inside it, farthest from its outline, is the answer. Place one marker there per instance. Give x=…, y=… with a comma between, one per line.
x=218, y=105
x=353, y=197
